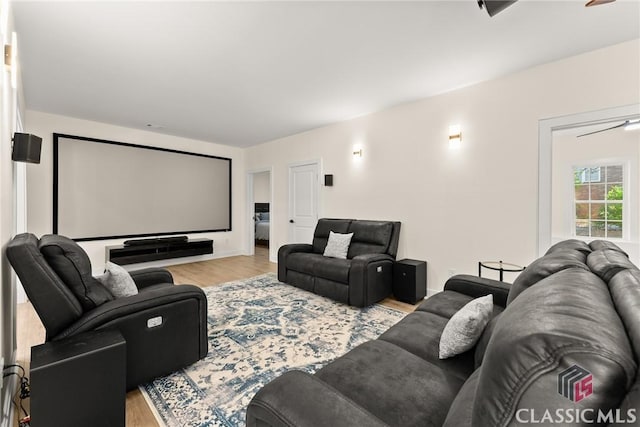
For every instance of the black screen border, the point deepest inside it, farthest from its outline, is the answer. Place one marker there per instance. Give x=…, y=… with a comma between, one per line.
x=56, y=136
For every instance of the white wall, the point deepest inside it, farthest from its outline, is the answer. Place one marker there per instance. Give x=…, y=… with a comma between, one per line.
x=8, y=177
x=40, y=180
x=262, y=187
x=456, y=207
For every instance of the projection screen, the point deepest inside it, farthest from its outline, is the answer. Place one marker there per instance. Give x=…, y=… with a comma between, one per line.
x=107, y=189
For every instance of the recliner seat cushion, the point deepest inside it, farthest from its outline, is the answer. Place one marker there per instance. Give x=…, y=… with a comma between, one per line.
x=334, y=269
x=419, y=333
x=396, y=386
x=72, y=265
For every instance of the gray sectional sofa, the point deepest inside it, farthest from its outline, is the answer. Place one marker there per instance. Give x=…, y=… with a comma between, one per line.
x=576, y=309
x=362, y=279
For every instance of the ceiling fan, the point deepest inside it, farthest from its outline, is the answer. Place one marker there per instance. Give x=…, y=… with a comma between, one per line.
x=495, y=6
x=627, y=125
x=598, y=2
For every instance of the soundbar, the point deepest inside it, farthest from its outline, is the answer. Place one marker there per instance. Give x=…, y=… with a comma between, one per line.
x=156, y=240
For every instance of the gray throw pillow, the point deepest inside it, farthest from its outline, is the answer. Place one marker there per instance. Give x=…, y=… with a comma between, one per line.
x=118, y=281
x=338, y=245
x=465, y=327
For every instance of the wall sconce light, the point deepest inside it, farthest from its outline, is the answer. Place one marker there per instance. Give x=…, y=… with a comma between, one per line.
x=11, y=60
x=7, y=55
x=455, y=136
x=357, y=153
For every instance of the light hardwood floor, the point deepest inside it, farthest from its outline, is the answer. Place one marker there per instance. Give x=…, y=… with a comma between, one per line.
x=30, y=331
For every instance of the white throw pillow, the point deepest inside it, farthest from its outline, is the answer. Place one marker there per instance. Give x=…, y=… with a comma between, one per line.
x=118, y=281
x=464, y=328
x=338, y=245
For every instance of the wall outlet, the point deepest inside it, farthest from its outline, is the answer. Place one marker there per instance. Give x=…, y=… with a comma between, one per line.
x=452, y=272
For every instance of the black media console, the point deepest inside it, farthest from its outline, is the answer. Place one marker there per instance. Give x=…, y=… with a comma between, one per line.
x=157, y=249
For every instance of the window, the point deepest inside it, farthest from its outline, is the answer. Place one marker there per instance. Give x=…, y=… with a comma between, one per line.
x=590, y=175
x=599, y=201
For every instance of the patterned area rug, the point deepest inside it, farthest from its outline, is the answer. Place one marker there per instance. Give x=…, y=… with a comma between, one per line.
x=259, y=328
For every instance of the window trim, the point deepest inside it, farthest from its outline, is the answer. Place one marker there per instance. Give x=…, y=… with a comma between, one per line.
x=627, y=197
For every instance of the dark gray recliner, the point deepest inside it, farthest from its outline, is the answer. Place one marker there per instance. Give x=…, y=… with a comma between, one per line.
x=362, y=279
x=56, y=275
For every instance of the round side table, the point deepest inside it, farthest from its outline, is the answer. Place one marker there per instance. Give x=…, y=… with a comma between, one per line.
x=499, y=266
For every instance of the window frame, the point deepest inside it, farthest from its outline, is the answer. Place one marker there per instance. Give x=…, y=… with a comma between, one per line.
x=626, y=196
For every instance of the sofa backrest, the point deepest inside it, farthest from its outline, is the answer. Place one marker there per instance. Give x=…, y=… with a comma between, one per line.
x=54, y=302
x=545, y=267
x=71, y=263
x=568, y=341
x=369, y=237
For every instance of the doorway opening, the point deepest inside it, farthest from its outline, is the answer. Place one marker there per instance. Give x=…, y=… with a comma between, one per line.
x=259, y=212
x=588, y=178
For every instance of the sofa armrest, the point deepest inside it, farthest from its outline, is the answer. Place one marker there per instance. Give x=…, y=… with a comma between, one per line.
x=369, y=258
x=113, y=312
x=151, y=276
x=478, y=287
x=284, y=252
x=165, y=327
x=370, y=278
x=300, y=399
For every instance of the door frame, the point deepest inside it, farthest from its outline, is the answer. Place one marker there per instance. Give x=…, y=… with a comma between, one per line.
x=250, y=212
x=546, y=127
x=319, y=210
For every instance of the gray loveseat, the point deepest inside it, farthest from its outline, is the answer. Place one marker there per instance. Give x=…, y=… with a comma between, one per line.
x=362, y=279
x=563, y=345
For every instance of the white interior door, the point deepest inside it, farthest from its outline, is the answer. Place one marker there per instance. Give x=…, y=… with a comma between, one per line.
x=303, y=201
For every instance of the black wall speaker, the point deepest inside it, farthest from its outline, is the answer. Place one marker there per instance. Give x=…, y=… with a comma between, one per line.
x=26, y=148
x=328, y=180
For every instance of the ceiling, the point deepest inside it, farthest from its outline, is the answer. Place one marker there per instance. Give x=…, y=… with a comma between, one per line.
x=242, y=73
